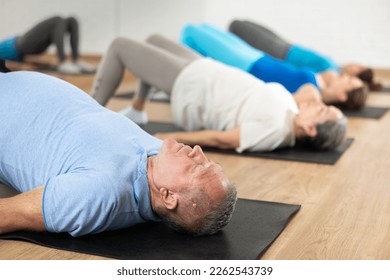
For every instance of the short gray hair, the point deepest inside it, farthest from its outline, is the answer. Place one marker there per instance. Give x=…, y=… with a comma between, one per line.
x=329, y=135
x=213, y=217
x=220, y=214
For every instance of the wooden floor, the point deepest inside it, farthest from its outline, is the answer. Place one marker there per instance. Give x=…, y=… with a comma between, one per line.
x=345, y=210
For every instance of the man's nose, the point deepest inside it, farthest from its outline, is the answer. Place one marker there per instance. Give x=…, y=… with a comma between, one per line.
x=199, y=154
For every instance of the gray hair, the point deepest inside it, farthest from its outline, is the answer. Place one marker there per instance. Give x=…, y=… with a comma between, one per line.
x=329, y=135
x=220, y=214
x=213, y=217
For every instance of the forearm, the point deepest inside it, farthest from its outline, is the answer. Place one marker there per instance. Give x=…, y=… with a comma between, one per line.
x=22, y=212
x=208, y=138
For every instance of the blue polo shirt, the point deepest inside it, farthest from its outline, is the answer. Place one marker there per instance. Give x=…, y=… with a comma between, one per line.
x=92, y=161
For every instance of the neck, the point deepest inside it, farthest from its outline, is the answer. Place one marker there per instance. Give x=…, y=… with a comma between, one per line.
x=299, y=131
x=152, y=186
x=328, y=96
x=320, y=81
x=328, y=77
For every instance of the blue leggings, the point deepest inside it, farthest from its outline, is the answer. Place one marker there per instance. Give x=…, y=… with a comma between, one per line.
x=231, y=50
x=224, y=47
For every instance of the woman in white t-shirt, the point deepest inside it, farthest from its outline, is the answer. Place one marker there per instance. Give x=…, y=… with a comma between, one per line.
x=215, y=104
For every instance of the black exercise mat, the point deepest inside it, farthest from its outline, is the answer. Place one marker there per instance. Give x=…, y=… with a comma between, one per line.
x=3, y=67
x=385, y=89
x=253, y=228
x=367, y=112
x=296, y=153
x=155, y=97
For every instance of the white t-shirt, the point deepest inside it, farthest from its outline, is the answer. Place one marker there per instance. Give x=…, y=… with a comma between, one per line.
x=211, y=95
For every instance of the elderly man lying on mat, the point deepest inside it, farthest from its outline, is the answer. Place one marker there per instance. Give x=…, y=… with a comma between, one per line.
x=218, y=105
x=82, y=168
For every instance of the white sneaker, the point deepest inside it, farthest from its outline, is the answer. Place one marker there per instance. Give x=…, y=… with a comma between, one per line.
x=139, y=117
x=85, y=67
x=160, y=96
x=68, y=67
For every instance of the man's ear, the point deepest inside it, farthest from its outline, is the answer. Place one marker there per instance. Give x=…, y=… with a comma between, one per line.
x=169, y=198
x=310, y=130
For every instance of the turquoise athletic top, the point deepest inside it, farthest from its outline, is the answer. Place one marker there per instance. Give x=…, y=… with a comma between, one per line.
x=92, y=161
x=304, y=58
x=8, y=50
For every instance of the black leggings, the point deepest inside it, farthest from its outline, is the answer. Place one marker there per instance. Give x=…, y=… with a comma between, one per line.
x=260, y=38
x=47, y=32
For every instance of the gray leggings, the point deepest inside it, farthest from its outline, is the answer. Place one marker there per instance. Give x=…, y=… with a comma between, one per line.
x=156, y=63
x=47, y=32
x=260, y=38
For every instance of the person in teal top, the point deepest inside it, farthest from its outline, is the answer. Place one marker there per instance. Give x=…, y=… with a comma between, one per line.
x=346, y=90
x=83, y=169
x=231, y=50
x=51, y=31
x=264, y=39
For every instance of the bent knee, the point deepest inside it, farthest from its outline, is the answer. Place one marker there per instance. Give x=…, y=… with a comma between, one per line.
x=122, y=43
x=57, y=19
x=72, y=21
x=154, y=38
